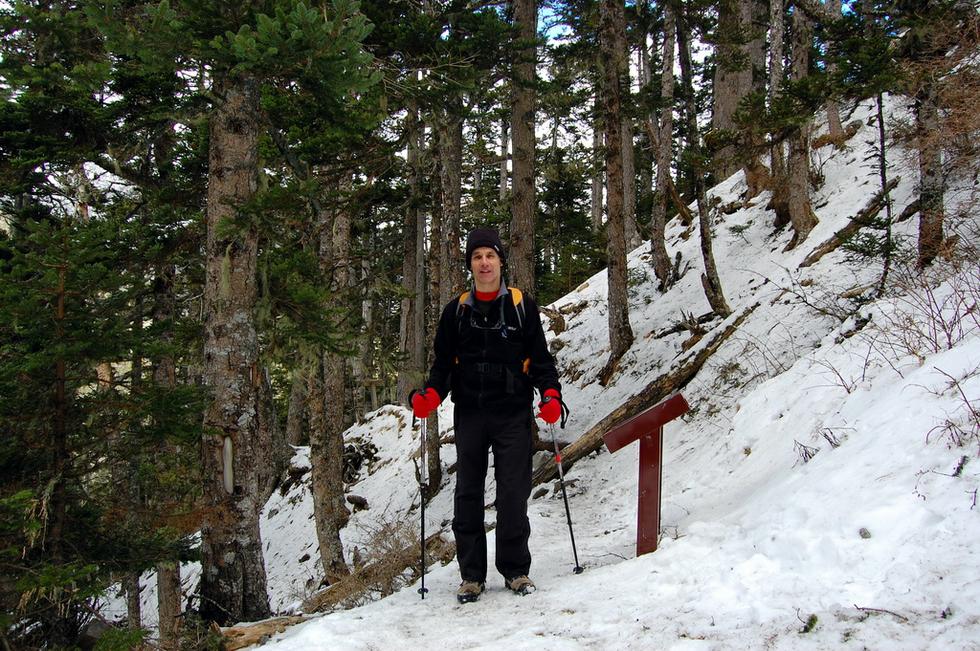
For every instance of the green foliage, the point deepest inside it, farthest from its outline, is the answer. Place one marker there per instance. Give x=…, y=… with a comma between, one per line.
x=116, y=639
x=861, y=47
x=569, y=250
x=78, y=447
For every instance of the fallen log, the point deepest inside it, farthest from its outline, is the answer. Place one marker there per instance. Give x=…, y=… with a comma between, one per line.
x=246, y=635
x=381, y=576
x=683, y=369
x=863, y=218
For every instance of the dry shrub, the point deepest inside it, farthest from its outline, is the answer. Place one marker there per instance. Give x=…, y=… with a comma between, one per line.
x=388, y=562
x=934, y=309
x=962, y=427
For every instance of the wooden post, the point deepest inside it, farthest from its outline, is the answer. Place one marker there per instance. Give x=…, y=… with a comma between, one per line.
x=647, y=428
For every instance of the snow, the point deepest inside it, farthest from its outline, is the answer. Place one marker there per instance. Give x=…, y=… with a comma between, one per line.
x=873, y=534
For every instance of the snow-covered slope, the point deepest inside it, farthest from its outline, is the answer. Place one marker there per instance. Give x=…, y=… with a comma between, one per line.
x=820, y=473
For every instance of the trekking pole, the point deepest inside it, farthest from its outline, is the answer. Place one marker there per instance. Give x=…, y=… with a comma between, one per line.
x=423, y=486
x=423, y=489
x=561, y=482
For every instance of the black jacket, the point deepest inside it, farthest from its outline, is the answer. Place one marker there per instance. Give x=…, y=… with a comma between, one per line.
x=492, y=360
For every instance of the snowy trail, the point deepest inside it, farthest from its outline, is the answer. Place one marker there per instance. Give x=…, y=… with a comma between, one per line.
x=747, y=580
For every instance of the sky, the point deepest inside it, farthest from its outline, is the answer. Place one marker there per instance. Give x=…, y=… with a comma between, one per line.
x=821, y=494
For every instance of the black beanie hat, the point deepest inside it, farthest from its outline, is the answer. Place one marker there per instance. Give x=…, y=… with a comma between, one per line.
x=483, y=237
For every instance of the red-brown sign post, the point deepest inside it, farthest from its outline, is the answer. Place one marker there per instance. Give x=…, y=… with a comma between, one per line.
x=648, y=428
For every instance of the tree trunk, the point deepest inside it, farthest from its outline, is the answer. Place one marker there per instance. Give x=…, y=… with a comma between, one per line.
x=233, y=581
x=126, y=479
x=365, y=356
x=630, y=229
x=131, y=583
x=438, y=298
x=612, y=43
x=801, y=215
x=274, y=451
x=520, y=259
x=709, y=280
x=931, y=178
x=777, y=157
x=169, y=603
x=664, y=155
x=732, y=82
x=598, y=158
x=164, y=373
x=61, y=460
x=757, y=177
x=504, y=158
x=327, y=405
x=834, y=127
x=450, y=148
x=296, y=417
x=411, y=324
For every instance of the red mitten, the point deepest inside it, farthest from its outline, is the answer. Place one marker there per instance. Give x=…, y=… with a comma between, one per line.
x=550, y=407
x=424, y=402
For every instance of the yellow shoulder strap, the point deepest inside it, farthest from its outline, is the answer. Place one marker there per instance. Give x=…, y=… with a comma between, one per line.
x=516, y=295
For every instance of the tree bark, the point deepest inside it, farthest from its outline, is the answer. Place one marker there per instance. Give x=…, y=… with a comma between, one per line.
x=612, y=44
x=664, y=155
x=438, y=298
x=328, y=401
x=757, y=177
x=801, y=215
x=630, y=228
x=131, y=583
x=834, y=127
x=169, y=603
x=931, y=177
x=365, y=357
x=450, y=148
x=233, y=580
x=710, y=281
x=274, y=452
x=504, y=158
x=777, y=156
x=411, y=333
x=126, y=477
x=296, y=417
x=732, y=81
x=164, y=373
x=598, y=158
x=520, y=260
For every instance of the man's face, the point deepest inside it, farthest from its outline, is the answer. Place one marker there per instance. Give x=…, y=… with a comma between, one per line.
x=485, y=265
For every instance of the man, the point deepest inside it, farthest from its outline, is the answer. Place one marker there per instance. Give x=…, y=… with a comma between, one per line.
x=490, y=353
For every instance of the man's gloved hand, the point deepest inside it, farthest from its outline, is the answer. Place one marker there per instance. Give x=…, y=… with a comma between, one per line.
x=424, y=402
x=550, y=407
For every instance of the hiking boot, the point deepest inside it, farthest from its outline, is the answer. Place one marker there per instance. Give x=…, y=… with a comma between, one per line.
x=469, y=591
x=520, y=585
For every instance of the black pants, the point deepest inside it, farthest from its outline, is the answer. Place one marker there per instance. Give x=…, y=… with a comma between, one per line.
x=508, y=434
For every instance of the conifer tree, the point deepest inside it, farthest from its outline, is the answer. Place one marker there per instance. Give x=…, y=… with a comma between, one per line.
x=698, y=160
x=523, y=144
x=612, y=43
x=663, y=144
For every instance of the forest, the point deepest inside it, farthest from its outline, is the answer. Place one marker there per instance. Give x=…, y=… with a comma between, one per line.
x=227, y=229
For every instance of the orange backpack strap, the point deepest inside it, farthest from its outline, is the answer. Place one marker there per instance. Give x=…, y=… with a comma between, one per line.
x=517, y=297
